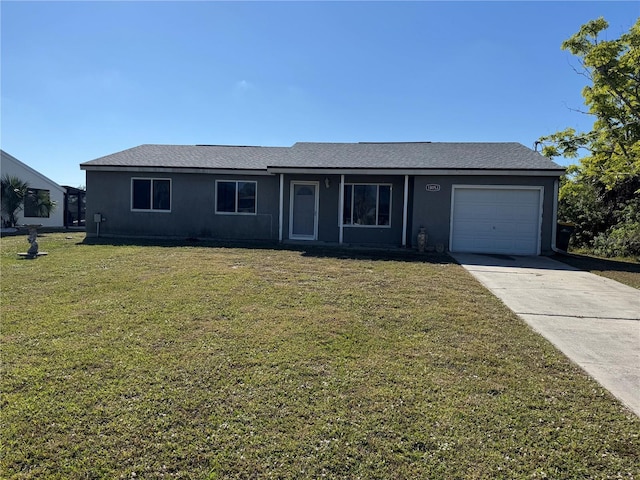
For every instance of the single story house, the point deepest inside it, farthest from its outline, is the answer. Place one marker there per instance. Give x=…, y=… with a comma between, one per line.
x=470, y=197
x=39, y=186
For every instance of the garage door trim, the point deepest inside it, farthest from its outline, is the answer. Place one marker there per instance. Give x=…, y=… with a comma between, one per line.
x=540, y=189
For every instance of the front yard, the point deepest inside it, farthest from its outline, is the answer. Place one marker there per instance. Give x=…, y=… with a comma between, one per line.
x=624, y=270
x=197, y=361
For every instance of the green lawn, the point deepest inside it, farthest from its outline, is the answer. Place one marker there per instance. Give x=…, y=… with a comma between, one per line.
x=624, y=270
x=202, y=362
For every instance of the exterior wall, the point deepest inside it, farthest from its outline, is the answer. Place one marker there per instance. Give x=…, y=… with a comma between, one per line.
x=327, y=205
x=433, y=209
x=12, y=166
x=328, y=214
x=192, y=208
x=379, y=235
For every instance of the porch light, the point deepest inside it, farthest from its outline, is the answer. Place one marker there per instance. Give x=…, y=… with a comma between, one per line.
x=327, y=182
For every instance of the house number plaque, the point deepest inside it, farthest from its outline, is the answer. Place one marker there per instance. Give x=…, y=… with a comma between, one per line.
x=433, y=187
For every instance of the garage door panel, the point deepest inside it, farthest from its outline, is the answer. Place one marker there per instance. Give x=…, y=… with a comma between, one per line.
x=528, y=230
x=490, y=244
x=489, y=195
x=490, y=228
x=501, y=220
x=507, y=211
x=517, y=212
x=473, y=224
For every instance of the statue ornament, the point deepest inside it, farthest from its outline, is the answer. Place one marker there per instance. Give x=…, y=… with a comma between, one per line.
x=33, y=251
x=422, y=239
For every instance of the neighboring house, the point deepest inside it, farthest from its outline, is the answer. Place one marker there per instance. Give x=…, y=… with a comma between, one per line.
x=38, y=184
x=470, y=197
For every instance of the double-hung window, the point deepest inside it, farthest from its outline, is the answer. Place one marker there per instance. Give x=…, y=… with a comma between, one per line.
x=236, y=196
x=367, y=204
x=151, y=194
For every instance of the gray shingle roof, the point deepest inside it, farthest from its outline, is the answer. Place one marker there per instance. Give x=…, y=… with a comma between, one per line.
x=194, y=156
x=508, y=156
x=419, y=155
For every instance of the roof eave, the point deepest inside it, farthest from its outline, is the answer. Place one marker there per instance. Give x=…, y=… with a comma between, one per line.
x=274, y=170
x=152, y=169
x=523, y=172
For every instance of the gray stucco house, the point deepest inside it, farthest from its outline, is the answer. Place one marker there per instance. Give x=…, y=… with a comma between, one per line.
x=470, y=197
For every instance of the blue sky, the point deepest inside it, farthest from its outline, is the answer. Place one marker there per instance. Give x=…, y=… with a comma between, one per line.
x=85, y=79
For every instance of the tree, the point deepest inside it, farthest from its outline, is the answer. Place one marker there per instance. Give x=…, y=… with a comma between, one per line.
x=601, y=194
x=13, y=191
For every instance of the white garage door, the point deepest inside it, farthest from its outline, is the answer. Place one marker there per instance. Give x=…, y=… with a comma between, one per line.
x=496, y=220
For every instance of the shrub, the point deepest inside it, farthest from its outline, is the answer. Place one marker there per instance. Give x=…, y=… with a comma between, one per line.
x=622, y=240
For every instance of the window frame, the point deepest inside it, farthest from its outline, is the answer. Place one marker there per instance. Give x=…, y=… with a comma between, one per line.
x=377, y=213
x=151, y=209
x=236, y=200
x=35, y=192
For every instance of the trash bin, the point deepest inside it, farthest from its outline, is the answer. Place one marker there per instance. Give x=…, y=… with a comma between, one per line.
x=563, y=234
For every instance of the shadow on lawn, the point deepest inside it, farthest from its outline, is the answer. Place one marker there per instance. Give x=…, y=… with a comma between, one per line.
x=351, y=252
x=587, y=263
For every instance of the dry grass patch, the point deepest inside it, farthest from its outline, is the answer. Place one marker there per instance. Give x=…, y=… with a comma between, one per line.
x=170, y=361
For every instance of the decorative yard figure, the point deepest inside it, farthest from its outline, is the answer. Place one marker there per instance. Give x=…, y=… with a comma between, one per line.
x=33, y=251
x=422, y=239
x=33, y=240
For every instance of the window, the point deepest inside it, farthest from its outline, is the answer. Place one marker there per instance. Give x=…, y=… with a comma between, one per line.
x=37, y=203
x=367, y=205
x=236, y=196
x=151, y=194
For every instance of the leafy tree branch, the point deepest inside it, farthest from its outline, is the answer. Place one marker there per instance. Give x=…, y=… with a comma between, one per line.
x=601, y=193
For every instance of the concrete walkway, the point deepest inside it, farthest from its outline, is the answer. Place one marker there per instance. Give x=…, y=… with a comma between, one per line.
x=593, y=320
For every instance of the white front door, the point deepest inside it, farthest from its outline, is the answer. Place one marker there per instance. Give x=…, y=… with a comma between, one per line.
x=303, y=217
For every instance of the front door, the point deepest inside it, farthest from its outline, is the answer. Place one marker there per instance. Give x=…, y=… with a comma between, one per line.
x=303, y=218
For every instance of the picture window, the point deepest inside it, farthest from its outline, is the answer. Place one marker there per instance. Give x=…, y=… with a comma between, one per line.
x=367, y=205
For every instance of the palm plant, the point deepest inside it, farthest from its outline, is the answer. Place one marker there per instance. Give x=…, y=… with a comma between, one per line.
x=13, y=191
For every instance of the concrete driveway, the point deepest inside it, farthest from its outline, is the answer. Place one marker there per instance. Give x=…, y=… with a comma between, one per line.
x=593, y=320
